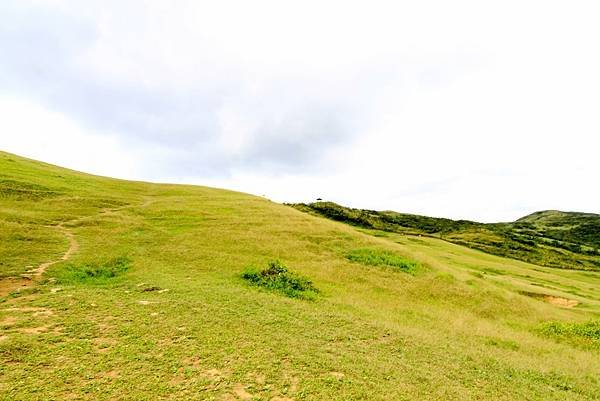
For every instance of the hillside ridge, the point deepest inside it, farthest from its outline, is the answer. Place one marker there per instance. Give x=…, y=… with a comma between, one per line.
x=569, y=240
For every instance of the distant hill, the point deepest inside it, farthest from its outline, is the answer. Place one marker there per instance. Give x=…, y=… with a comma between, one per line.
x=573, y=227
x=567, y=240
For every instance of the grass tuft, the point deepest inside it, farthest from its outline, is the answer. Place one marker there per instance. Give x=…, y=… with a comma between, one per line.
x=276, y=277
x=376, y=257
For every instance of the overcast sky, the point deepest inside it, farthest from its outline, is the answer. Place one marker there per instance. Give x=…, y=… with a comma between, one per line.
x=464, y=109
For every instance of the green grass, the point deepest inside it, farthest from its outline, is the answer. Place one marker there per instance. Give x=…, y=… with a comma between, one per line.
x=460, y=329
x=93, y=272
x=375, y=257
x=584, y=332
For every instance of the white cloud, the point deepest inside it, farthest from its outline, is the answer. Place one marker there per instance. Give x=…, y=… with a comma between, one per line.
x=466, y=109
x=32, y=131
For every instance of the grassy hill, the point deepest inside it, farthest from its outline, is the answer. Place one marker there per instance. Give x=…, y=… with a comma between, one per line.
x=178, y=292
x=565, y=240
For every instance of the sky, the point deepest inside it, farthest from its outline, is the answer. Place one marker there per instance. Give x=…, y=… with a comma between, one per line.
x=478, y=110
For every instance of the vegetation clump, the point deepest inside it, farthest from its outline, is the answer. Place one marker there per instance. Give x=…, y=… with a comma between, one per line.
x=585, y=332
x=276, y=277
x=95, y=272
x=376, y=257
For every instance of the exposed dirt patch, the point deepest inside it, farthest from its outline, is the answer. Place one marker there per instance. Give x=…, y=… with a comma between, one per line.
x=143, y=302
x=103, y=344
x=8, y=321
x=3, y=338
x=281, y=398
x=177, y=379
x=27, y=309
x=213, y=374
x=559, y=301
x=193, y=362
x=240, y=391
x=34, y=330
x=103, y=350
x=257, y=378
x=337, y=375
x=43, y=313
x=13, y=284
x=552, y=299
x=294, y=384
x=111, y=374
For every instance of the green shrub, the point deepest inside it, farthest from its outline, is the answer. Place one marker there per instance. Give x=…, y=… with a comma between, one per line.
x=276, y=277
x=376, y=257
x=95, y=272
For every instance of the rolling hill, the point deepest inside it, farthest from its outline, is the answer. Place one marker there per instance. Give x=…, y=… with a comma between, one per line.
x=567, y=240
x=120, y=290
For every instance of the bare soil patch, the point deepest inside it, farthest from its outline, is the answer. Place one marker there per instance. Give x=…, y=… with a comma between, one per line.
x=559, y=301
x=552, y=299
x=13, y=284
x=213, y=374
x=34, y=330
x=240, y=391
x=8, y=321
x=337, y=375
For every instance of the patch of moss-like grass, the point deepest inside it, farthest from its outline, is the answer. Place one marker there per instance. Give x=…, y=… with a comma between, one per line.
x=94, y=272
x=376, y=257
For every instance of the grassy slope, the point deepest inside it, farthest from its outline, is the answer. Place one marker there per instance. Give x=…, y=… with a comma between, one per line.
x=458, y=329
x=566, y=240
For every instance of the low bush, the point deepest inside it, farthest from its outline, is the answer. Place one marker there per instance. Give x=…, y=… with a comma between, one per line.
x=276, y=277
x=376, y=257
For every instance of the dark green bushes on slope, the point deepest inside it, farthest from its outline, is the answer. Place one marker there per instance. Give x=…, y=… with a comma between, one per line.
x=555, y=239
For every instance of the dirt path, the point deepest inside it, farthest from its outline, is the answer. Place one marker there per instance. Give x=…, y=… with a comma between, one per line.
x=28, y=279
x=73, y=247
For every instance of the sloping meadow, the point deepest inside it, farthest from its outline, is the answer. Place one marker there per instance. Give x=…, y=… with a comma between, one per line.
x=182, y=292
